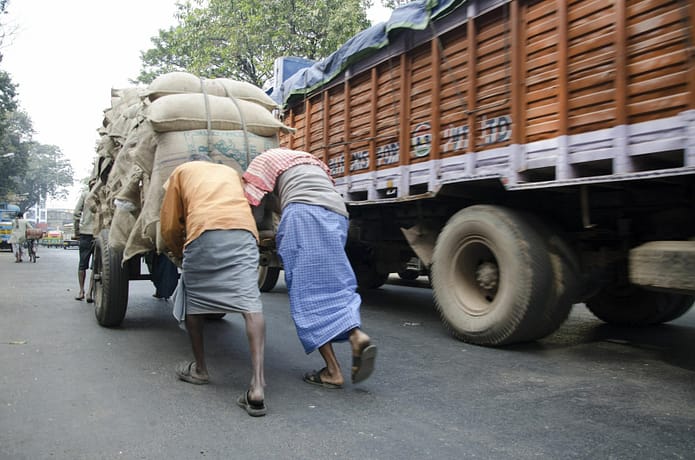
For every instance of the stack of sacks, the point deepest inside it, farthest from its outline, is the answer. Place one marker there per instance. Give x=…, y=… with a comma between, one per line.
x=177, y=116
x=119, y=134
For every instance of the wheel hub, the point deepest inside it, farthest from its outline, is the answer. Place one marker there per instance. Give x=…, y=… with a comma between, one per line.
x=487, y=276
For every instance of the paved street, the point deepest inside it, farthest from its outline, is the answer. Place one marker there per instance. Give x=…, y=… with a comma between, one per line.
x=70, y=389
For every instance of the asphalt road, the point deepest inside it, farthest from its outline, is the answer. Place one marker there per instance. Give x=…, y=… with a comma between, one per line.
x=70, y=389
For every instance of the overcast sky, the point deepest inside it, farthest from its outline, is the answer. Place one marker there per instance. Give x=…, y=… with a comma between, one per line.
x=65, y=57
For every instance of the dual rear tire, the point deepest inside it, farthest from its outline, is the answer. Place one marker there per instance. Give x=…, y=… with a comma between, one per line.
x=501, y=276
x=495, y=281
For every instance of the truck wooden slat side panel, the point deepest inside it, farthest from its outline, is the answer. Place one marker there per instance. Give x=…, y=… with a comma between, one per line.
x=570, y=86
x=580, y=113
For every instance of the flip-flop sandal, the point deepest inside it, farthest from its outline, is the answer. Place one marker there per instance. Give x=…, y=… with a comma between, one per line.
x=314, y=378
x=363, y=363
x=253, y=408
x=184, y=371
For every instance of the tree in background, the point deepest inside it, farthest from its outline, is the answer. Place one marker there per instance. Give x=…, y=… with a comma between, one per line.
x=48, y=173
x=29, y=172
x=15, y=129
x=5, y=30
x=241, y=39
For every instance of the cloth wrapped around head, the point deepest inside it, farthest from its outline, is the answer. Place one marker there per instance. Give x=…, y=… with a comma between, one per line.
x=262, y=173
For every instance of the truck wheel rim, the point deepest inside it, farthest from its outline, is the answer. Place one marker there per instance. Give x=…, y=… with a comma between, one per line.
x=475, y=276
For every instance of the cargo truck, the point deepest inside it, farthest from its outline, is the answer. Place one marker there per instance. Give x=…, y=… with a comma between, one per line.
x=533, y=154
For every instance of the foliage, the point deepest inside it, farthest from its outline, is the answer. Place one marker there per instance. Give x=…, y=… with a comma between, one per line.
x=5, y=30
x=29, y=171
x=48, y=173
x=15, y=129
x=241, y=39
x=8, y=93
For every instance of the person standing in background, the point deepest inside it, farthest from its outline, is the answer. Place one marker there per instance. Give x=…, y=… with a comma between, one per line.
x=84, y=230
x=19, y=235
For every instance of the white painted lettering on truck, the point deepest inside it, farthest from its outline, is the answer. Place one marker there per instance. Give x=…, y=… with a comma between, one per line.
x=456, y=139
x=387, y=154
x=359, y=160
x=496, y=129
x=336, y=165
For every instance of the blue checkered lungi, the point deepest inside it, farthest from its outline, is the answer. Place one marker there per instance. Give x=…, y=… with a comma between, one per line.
x=322, y=287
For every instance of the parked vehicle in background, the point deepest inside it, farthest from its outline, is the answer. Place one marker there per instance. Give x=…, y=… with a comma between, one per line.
x=67, y=244
x=52, y=239
x=7, y=214
x=532, y=153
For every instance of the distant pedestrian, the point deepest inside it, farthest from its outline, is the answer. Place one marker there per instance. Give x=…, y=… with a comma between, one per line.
x=19, y=235
x=207, y=223
x=83, y=226
x=311, y=240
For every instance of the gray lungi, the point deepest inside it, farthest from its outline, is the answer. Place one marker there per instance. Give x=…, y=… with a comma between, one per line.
x=219, y=275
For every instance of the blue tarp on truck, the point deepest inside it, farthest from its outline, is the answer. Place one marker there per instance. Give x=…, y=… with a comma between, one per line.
x=416, y=15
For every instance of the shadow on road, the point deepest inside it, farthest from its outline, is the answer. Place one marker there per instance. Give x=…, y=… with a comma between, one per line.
x=669, y=343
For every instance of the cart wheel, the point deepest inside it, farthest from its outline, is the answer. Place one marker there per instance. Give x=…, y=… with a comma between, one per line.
x=110, y=282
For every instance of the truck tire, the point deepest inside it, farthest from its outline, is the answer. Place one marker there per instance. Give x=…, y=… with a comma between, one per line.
x=565, y=286
x=267, y=277
x=490, y=274
x=110, y=282
x=363, y=262
x=632, y=305
x=369, y=278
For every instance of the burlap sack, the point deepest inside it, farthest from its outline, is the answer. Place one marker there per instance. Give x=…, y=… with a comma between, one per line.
x=119, y=128
x=143, y=151
x=130, y=187
x=181, y=83
x=126, y=96
x=185, y=112
x=232, y=148
x=121, y=225
x=137, y=243
x=184, y=82
x=247, y=92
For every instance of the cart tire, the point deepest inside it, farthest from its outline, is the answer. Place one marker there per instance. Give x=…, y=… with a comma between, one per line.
x=214, y=316
x=110, y=282
x=267, y=277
